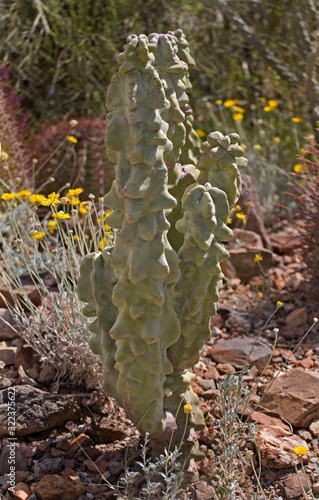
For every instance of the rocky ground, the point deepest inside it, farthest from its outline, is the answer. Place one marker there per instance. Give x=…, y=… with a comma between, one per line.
x=53, y=463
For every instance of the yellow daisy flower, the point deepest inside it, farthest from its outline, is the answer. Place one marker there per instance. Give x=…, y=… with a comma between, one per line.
x=258, y=257
x=38, y=235
x=60, y=215
x=73, y=139
x=8, y=196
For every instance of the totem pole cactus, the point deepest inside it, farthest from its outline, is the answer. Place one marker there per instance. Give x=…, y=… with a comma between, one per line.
x=155, y=291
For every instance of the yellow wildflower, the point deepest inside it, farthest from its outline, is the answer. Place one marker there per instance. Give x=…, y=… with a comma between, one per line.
x=200, y=132
x=230, y=103
x=82, y=209
x=23, y=195
x=258, y=257
x=35, y=160
x=38, y=235
x=302, y=150
x=244, y=146
x=52, y=199
x=60, y=215
x=229, y=220
x=218, y=101
x=276, y=140
x=263, y=99
x=75, y=237
x=187, y=408
x=260, y=294
x=8, y=196
x=273, y=103
x=72, y=139
x=250, y=204
x=297, y=119
x=301, y=450
x=256, y=147
x=102, y=244
x=240, y=109
x=37, y=198
x=238, y=117
x=52, y=226
x=241, y=216
x=237, y=208
x=75, y=201
x=268, y=109
x=279, y=303
x=0, y=215
x=75, y=192
x=4, y=155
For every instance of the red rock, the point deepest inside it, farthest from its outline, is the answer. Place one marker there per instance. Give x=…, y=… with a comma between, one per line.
x=57, y=453
x=243, y=261
x=197, y=389
x=286, y=241
x=256, y=282
x=225, y=368
x=278, y=278
x=30, y=290
x=218, y=321
x=63, y=444
x=81, y=440
x=106, y=430
x=101, y=465
x=297, y=317
x=294, y=396
x=89, y=465
x=57, y=487
x=294, y=485
x=306, y=363
x=244, y=237
x=277, y=452
x=236, y=351
x=263, y=418
x=314, y=428
x=21, y=491
x=288, y=356
x=204, y=491
x=212, y=374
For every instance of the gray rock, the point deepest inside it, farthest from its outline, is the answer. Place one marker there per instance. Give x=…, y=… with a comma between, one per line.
x=235, y=351
x=36, y=410
x=7, y=354
x=47, y=466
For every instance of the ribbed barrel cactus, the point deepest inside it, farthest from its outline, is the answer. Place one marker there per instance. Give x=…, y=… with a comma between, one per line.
x=153, y=294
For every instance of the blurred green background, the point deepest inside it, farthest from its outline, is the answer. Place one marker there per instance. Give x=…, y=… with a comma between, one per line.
x=257, y=68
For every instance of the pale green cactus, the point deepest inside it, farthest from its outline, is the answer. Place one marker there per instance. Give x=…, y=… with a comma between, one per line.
x=154, y=293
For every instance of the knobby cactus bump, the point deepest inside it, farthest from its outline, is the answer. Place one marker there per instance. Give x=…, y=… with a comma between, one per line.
x=153, y=294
